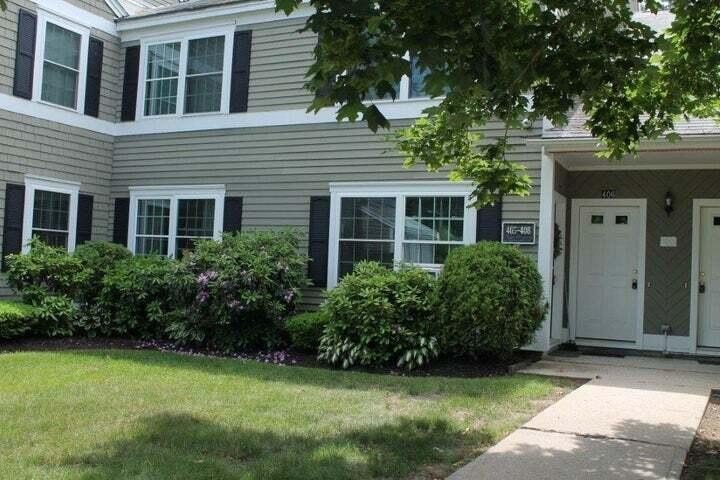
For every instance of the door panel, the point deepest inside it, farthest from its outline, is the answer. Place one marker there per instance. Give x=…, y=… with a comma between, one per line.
x=709, y=301
x=608, y=263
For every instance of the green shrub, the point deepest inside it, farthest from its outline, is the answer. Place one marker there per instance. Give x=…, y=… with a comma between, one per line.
x=16, y=319
x=50, y=279
x=489, y=300
x=45, y=270
x=97, y=259
x=305, y=330
x=141, y=295
x=378, y=316
x=56, y=316
x=245, y=287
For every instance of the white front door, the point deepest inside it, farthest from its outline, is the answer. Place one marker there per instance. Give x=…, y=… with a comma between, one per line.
x=609, y=280
x=709, y=279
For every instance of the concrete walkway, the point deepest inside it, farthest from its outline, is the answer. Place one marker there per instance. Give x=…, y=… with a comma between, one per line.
x=635, y=419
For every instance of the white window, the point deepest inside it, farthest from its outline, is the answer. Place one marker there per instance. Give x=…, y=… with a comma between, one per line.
x=416, y=223
x=186, y=75
x=60, y=62
x=50, y=212
x=168, y=220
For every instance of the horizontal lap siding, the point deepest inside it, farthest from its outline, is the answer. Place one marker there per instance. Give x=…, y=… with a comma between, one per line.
x=97, y=7
x=277, y=169
x=279, y=60
x=111, y=83
x=38, y=147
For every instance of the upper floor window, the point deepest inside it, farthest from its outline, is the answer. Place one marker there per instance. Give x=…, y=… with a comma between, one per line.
x=61, y=62
x=186, y=76
x=61, y=66
x=412, y=87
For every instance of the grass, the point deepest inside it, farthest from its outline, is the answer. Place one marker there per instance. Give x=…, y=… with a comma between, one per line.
x=149, y=415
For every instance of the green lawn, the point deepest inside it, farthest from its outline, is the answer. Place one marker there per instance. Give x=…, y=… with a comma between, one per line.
x=150, y=415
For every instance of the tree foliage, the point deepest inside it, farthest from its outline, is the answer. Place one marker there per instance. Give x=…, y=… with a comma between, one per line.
x=514, y=61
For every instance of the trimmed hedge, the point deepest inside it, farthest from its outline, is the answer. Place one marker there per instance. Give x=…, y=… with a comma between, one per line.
x=490, y=300
x=16, y=319
x=306, y=329
x=378, y=316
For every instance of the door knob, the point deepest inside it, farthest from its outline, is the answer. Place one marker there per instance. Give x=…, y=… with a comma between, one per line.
x=634, y=284
x=701, y=283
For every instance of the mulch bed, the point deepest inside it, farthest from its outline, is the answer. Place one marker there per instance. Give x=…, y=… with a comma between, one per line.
x=461, y=368
x=703, y=460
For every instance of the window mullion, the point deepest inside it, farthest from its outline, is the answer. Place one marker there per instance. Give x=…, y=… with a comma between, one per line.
x=172, y=228
x=399, y=229
x=182, y=75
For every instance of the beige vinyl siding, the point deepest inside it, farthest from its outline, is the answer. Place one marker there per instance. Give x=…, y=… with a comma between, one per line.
x=38, y=147
x=277, y=169
x=97, y=7
x=111, y=84
x=279, y=59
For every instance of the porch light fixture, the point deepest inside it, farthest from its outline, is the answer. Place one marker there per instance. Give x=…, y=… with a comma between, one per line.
x=669, y=200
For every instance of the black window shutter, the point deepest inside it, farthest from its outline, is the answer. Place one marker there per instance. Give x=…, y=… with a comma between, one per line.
x=25, y=54
x=83, y=232
x=319, y=240
x=489, y=223
x=130, y=83
x=13, y=225
x=240, y=80
x=120, y=221
x=94, y=75
x=232, y=215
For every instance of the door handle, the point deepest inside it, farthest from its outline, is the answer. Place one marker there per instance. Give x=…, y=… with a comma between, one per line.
x=701, y=287
x=634, y=284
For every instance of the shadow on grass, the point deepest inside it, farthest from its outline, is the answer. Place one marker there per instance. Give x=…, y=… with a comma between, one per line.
x=497, y=387
x=180, y=446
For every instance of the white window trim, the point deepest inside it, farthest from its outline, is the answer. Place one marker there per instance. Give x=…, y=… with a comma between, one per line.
x=43, y=17
x=175, y=193
x=398, y=190
x=33, y=183
x=228, y=31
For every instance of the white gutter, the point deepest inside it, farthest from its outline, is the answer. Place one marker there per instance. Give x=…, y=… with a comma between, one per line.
x=590, y=144
x=266, y=7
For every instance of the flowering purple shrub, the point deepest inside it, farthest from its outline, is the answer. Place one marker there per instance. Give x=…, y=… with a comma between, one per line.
x=244, y=288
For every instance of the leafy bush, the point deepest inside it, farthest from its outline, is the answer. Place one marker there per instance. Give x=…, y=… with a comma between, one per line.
x=45, y=270
x=377, y=316
x=141, y=296
x=56, y=316
x=305, y=330
x=16, y=319
x=489, y=300
x=245, y=286
x=97, y=259
x=50, y=279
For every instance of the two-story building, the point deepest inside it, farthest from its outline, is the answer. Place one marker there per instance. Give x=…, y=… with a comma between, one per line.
x=153, y=123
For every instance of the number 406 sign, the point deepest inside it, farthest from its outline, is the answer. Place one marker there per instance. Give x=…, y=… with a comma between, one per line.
x=518, y=233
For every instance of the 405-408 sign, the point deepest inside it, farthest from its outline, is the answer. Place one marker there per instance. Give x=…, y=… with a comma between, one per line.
x=518, y=233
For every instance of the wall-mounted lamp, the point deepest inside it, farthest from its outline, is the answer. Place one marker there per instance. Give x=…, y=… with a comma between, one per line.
x=669, y=200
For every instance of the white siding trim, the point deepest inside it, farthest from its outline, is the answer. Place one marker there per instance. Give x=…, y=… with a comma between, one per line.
x=77, y=15
x=409, y=109
x=33, y=183
x=545, y=245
